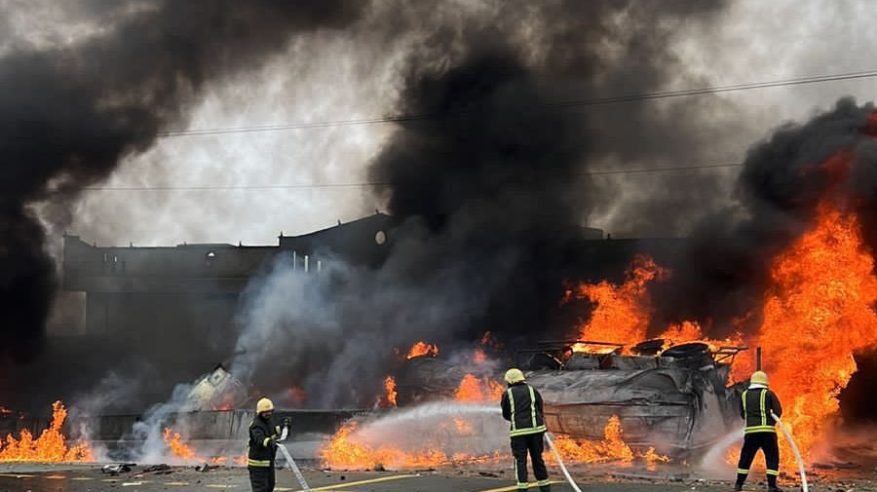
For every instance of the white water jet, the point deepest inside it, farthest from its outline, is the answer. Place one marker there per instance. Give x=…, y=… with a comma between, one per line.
x=450, y=427
x=714, y=462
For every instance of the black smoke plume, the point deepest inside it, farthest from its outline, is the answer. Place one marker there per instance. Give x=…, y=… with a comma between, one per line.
x=72, y=113
x=486, y=180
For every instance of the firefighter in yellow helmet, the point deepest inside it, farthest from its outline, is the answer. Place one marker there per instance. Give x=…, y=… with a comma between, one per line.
x=756, y=405
x=522, y=406
x=262, y=448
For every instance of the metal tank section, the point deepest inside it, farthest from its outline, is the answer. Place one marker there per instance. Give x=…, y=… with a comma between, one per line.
x=677, y=400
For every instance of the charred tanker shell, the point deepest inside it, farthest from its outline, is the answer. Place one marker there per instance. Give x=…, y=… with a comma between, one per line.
x=676, y=401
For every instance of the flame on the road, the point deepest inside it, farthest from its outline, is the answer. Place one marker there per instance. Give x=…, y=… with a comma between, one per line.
x=344, y=452
x=422, y=349
x=183, y=451
x=50, y=446
x=224, y=460
x=612, y=449
x=177, y=447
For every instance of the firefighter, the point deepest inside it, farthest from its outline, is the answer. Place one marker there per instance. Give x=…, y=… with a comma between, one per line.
x=756, y=405
x=262, y=447
x=522, y=406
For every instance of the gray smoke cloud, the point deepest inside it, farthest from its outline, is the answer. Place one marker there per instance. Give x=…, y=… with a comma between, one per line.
x=487, y=184
x=73, y=112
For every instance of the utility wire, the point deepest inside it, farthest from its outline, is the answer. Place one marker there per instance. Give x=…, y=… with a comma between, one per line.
x=379, y=183
x=555, y=105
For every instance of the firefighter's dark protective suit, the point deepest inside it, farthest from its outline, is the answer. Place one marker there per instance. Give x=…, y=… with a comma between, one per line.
x=262, y=449
x=522, y=406
x=756, y=405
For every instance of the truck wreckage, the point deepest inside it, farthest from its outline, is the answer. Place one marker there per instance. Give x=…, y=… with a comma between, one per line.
x=677, y=400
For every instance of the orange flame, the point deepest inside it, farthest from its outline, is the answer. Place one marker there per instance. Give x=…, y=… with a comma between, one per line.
x=473, y=389
x=177, y=447
x=421, y=349
x=51, y=446
x=818, y=311
x=343, y=452
x=390, y=394
x=224, y=460
x=611, y=449
x=622, y=311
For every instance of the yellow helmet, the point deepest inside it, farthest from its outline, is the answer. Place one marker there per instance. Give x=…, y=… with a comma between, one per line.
x=264, y=405
x=759, y=377
x=514, y=375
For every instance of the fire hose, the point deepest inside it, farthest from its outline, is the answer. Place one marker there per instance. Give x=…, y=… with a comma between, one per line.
x=562, y=466
x=795, y=451
x=292, y=466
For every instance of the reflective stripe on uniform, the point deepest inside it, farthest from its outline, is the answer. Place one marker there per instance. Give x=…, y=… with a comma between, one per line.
x=527, y=431
x=523, y=486
x=266, y=441
x=512, y=405
x=763, y=409
x=543, y=483
x=773, y=472
x=742, y=471
x=760, y=428
x=259, y=463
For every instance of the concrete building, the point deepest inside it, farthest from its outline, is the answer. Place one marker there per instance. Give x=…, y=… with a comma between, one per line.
x=192, y=290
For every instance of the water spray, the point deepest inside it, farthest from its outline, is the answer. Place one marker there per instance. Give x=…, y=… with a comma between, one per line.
x=795, y=451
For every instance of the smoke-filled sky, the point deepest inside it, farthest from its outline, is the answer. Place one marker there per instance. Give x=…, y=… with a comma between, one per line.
x=358, y=73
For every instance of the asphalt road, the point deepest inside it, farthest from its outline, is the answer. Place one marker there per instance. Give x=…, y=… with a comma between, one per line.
x=46, y=478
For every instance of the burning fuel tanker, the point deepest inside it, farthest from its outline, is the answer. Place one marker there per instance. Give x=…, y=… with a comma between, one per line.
x=676, y=400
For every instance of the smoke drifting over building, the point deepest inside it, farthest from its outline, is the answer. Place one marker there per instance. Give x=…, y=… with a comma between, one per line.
x=486, y=181
x=72, y=113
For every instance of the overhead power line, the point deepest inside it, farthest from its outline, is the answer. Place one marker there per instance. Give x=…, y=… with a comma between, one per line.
x=817, y=79
x=365, y=184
